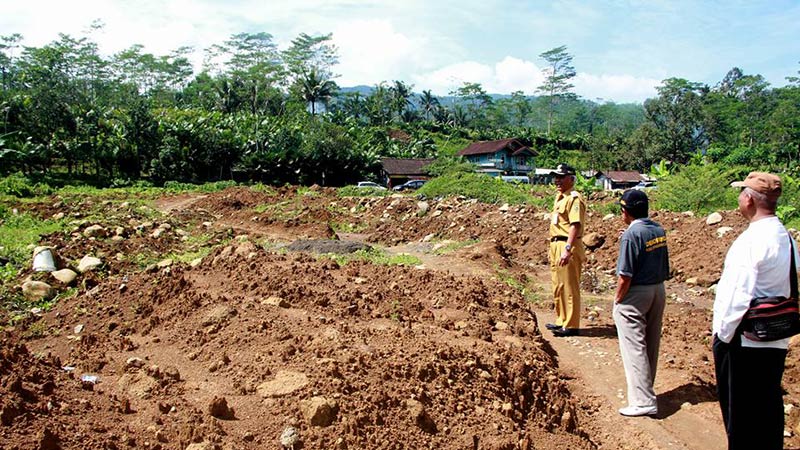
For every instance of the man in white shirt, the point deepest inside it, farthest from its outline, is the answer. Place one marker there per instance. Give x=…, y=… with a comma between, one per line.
x=749, y=372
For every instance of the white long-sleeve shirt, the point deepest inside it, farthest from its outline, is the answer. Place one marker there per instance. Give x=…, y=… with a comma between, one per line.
x=757, y=265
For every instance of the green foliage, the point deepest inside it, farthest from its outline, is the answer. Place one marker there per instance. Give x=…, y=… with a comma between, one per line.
x=18, y=231
x=451, y=246
x=19, y=185
x=684, y=190
x=355, y=191
x=586, y=185
x=478, y=186
x=529, y=290
x=376, y=256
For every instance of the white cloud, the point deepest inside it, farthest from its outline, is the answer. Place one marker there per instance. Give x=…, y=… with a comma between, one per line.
x=616, y=88
x=508, y=75
x=371, y=51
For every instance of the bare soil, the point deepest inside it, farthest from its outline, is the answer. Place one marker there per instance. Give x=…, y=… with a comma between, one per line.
x=264, y=334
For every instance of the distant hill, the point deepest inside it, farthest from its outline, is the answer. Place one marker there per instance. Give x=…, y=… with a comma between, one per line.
x=444, y=99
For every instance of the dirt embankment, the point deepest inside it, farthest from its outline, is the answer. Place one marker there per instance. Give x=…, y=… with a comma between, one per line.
x=251, y=341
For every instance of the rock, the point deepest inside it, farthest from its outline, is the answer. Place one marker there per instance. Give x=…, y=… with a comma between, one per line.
x=319, y=411
x=219, y=315
x=276, y=301
x=609, y=216
x=289, y=437
x=722, y=231
x=158, y=232
x=201, y=446
x=219, y=408
x=593, y=240
x=692, y=281
x=437, y=213
x=58, y=216
x=117, y=238
x=119, y=231
x=88, y=263
x=196, y=262
x=134, y=362
x=285, y=383
x=37, y=290
x=95, y=231
x=429, y=237
x=78, y=329
x=500, y=325
x=164, y=263
x=66, y=276
x=422, y=208
x=714, y=218
x=546, y=217
x=688, y=213
x=504, y=208
x=420, y=417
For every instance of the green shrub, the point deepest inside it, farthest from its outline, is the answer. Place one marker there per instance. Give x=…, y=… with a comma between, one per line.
x=701, y=188
x=20, y=186
x=355, y=191
x=478, y=186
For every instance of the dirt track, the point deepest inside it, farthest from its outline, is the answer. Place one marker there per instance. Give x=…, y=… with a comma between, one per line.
x=252, y=340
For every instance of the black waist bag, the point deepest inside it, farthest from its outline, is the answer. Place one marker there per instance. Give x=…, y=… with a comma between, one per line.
x=774, y=318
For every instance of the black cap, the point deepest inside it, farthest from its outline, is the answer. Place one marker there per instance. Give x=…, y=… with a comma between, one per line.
x=633, y=199
x=563, y=169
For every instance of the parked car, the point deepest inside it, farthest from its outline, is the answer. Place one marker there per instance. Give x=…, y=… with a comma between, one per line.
x=645, y=185
x=409, y=185
x=369, y=184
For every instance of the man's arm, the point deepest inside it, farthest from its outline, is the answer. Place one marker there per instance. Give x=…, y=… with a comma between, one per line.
x=623, y=285
x=574, y=231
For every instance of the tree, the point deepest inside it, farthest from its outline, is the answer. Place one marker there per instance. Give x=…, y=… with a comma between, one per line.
x=314, y=88
x=428, y=104
x=557, y=76
x=674, y=128
x=309, y=53
x=401, y=97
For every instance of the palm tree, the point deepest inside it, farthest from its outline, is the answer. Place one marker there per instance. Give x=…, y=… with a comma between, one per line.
x=401, y=97
x=428, y=103
x=315, y=88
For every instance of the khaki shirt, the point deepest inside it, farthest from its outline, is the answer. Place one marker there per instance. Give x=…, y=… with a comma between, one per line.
x=567, y=209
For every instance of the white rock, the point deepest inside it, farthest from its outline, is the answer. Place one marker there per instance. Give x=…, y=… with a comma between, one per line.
x=158, y=232
x=609, y=216
x=688, y=213
x=722, y=231
x=36, y=290
x=88, y=263
x=65, y=276
x=504, y=208
x=164, y=263
x=714, y=218
x=94, y=231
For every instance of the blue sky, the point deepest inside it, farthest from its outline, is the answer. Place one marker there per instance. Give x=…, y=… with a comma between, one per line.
x=622, y=49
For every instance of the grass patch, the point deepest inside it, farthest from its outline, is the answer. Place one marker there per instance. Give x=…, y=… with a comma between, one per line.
x=478, y=186
x=348, y=227
x=375, y=256
x=531, y=292
x=18, y=231
x=355, y=191
x=452, y=246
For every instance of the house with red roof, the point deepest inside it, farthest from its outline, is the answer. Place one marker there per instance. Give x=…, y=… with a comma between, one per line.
x=501, y=157
x=396, y=171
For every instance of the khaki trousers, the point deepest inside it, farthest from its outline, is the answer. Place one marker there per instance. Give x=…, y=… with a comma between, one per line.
x=566, y=284
x=638, y=318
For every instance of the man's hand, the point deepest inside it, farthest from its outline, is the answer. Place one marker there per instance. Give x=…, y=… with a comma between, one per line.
x=565, y=258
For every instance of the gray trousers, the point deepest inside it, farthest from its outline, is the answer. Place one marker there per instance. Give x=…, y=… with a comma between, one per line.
x=638, y=319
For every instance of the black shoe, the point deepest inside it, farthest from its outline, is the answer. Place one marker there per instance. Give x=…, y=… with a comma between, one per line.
x=564, y=332
x=552, y=326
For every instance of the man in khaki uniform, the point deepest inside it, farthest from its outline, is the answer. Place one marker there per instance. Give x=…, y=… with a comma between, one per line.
x=566, y=252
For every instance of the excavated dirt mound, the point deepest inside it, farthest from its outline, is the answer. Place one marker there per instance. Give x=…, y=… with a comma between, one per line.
x=231, y=353
x=257, y=339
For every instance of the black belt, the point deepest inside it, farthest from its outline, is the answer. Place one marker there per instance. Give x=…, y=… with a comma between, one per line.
x=559, y=238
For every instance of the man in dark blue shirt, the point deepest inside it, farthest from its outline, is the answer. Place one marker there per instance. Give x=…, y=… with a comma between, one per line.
x=642, y=267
